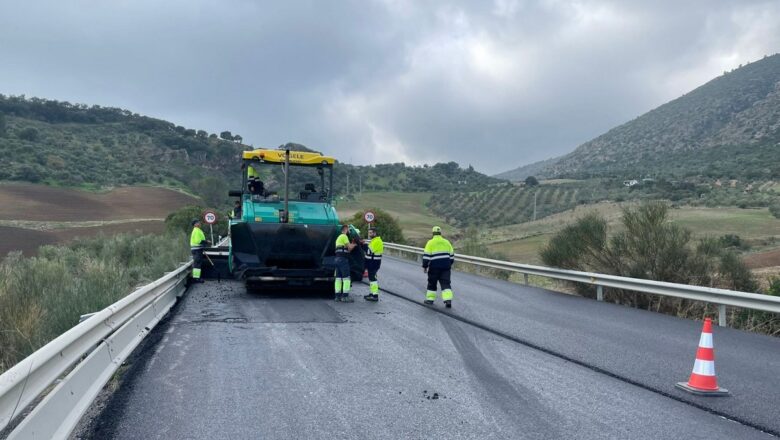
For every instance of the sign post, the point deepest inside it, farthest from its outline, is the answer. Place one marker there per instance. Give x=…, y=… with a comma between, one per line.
x=210, y=217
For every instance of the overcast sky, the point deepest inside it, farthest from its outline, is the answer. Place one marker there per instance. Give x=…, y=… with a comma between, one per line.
x=493, y=84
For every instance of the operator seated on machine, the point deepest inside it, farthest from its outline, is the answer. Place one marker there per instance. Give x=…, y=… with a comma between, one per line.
x=256, y=187
x=310, y=193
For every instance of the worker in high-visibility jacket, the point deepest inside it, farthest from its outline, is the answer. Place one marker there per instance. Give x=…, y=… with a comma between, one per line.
x=437, y=263
x=373, y=250
x=254, y=184
x=251, y=174
x=343, y=282
x=197, y=243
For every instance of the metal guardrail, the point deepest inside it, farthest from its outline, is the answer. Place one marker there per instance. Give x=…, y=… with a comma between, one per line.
x=88, y=355
x=721, y=297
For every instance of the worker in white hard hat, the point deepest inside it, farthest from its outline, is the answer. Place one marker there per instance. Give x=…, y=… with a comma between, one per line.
x=437, y=263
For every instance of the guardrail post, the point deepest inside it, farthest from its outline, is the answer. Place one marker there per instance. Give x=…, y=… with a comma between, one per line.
x=722, y=315
x=599, y=293
x=525, y=278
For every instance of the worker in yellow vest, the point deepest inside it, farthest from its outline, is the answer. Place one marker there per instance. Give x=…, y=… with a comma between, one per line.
x=197, y=243
x=437, y=263
x=343, y=282
x=373, y=250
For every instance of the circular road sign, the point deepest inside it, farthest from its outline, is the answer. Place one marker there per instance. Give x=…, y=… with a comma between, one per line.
x=369, y=217
x=210, y=217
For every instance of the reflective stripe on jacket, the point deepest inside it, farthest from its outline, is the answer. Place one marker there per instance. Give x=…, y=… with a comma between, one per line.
x=438, y=253
x=197, y=238
x=375, y=249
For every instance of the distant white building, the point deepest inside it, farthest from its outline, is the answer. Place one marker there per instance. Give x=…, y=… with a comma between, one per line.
x=630, y=183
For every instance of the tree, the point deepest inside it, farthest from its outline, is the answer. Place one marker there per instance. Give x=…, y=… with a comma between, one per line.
x=387, y=226
x=649, y=246
x=28, y=134
x=2, y=124
x=181, y=221
x=212, y=190
x=774, y=208
x=238, y=138
x=531, y=181
x=226, y=135
x=202, y=134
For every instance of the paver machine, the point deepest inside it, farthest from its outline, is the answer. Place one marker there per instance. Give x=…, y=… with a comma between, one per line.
x=285, y=236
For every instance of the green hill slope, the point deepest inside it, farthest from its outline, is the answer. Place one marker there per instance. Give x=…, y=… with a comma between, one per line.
x=59, y=143
x=729, y=127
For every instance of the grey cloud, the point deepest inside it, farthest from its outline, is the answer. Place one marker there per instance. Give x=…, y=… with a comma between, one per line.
x=494, y=84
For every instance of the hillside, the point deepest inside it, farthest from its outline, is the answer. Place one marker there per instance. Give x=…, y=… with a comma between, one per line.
x=75, y=145
x=63, y=144
x=533, y=169
x=408, y=208
x=729, y=127
x=508, y=204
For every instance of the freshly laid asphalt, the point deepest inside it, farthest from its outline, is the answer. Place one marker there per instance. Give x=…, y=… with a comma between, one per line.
x=647, y=348
x=235, y=364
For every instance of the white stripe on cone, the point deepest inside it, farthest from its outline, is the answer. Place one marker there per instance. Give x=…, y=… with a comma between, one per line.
x=706, y=340
x=704, y=368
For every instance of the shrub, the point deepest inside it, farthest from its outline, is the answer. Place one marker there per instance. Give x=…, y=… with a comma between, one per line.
x=387, y=226
x=733, y=241
x=42, y=297
x=181, y=221
x=650, y=247
x=575, y=246
x=28, y=134
x=774, y=209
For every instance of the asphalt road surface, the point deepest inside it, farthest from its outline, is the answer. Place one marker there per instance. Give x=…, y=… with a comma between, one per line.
x=650, y=349
x=233, y=364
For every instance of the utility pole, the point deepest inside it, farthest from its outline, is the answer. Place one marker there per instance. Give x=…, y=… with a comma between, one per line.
x=534, y=205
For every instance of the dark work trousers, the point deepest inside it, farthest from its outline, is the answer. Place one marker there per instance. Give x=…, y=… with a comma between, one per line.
x=197, y=262
x=441, y=276
x=372, y=266
x=342, y=267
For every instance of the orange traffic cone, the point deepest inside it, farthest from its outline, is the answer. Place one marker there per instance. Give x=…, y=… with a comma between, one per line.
x=703, y=381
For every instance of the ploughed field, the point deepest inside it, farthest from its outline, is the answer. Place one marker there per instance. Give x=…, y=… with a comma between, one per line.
x=44, y=203
x=35, y=215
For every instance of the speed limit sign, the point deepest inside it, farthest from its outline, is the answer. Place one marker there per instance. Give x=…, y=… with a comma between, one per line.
x=210, y=217
x=369, y=217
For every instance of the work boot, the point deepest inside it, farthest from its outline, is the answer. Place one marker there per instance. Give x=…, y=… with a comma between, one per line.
x=428, y=302
x=338, y=297
x=448, y=304
x=371, y=297
x=198, y=280
x=347, y=299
